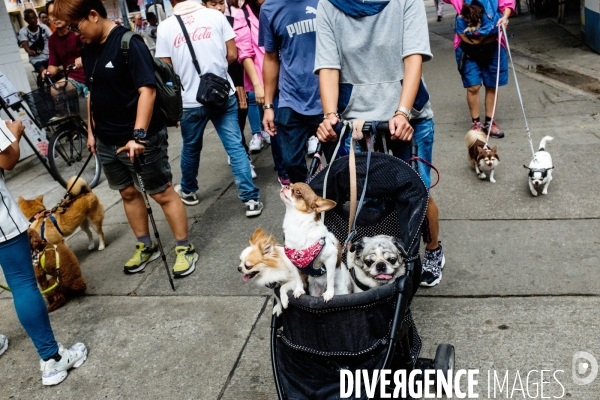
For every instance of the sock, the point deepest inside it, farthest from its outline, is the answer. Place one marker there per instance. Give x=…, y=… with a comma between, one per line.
x=184, y=242
x=488, y=120
x=476, y=119
x=57, y=357
x=146, y=240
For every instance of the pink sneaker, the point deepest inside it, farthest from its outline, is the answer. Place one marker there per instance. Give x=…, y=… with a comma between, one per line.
x=495, y=132
x=477, y=126
x=284, y=180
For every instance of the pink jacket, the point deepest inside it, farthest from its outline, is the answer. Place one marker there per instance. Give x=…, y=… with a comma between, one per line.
x=246, y=41
x=502, y=5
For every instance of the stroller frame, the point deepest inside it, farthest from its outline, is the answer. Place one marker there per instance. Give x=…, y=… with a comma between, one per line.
x=398, y=348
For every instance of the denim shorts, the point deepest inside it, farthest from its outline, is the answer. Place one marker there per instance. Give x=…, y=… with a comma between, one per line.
x=156, y=170
x=474, y=73
x=423, y=134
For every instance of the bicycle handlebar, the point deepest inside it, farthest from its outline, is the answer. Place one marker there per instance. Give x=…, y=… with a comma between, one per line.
x=65, y=70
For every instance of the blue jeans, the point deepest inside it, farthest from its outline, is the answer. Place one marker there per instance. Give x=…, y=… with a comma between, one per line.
x=255, y=116
x=193, y=123
x=293, y=130
x=15, y=259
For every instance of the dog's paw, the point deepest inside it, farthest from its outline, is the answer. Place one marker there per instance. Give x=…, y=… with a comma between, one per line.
x=534, y=193
x=277, y=309
x=482, y=176
x=100, y=247
x=284, y=301
x=492, y=180
x=545, y=191
x=92, y=246
x=328, y=295
x=299, y=292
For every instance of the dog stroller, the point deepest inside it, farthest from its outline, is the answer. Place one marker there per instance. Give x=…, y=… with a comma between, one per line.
x=311, y=341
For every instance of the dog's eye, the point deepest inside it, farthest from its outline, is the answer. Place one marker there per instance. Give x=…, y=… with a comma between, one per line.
x=393, y=260
x=249, y=267
x=368, y=263
x=298, y=193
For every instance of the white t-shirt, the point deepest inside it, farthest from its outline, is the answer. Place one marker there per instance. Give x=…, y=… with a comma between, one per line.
x=26, y=35
x=12, y=220
x=208, y=30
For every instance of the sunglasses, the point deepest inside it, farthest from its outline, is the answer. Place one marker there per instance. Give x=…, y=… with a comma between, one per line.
x=75, y=28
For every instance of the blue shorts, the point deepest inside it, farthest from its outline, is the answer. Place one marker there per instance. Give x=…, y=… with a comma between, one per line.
x=474, y=73
x=424, y=132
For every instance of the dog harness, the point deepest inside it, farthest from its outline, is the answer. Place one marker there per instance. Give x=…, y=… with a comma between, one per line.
x=46, y=214
x=358, y=283
x=304, y=259
x=40, y=257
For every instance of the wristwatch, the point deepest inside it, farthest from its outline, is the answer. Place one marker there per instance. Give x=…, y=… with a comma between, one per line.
x=405, y=111
x=139, y=135
x=267, y=106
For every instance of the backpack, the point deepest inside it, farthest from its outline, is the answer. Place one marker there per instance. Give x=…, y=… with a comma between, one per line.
x=168, y=85
x=488, y=22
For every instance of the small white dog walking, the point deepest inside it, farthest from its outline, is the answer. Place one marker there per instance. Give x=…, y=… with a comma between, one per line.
x=540, y=168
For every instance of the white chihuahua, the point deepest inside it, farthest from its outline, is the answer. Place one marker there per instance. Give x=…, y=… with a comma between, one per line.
x=540, y=168
x=309, y=245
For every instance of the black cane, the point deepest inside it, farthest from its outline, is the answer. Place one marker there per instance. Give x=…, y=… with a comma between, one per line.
x=137, y=167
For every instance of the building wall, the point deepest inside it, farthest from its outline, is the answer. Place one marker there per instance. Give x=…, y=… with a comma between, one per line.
x=10, y=62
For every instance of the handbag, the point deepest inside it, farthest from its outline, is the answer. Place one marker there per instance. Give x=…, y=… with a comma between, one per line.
x=213, y=90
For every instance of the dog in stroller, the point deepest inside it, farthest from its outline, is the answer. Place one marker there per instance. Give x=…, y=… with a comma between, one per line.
x=313, y=341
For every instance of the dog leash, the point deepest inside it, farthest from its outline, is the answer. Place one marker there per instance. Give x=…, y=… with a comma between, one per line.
x=487, y=139
x=518, y=89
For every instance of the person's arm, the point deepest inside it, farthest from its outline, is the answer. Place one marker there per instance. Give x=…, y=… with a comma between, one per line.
x=25, y=44
x=91, y=142
x=270, y=79
x=400, y=127
x=507, y=8
x=259, y=90
x=232, y=53
x=9, y=157
x=329, y=80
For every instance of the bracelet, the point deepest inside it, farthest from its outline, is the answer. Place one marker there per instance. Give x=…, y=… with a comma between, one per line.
x=267, y=106
x=331, y=112
x=401, y=113
x=405, y=111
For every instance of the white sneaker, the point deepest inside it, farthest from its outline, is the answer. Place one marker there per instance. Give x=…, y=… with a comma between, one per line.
x=312, y=145
x=54, y=372
x=252, y=171
x=266, y=137
x=228, y=160
x=256, y=143
x=254, y=208
x=190, y=199
x=3, y=344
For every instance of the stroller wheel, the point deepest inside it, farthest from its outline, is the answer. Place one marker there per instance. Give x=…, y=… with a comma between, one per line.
x=444, y=358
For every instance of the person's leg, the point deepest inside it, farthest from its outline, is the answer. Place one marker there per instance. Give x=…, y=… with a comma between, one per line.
x=193, y=123
x=490, y=75
x=293, y=132
x=242, y=115
x=473, y=101
x=471, y=76
x=15, y=259
x=228, y=130
x=135, y=210
x=254, y=117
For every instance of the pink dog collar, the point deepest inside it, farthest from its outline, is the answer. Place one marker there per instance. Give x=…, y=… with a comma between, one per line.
x=304, y=259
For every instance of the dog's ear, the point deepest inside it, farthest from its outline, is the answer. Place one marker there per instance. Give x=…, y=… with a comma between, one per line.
x=268, y=246
x=526, y=167
x=549, y=168
x=321, y=204
x=495, y=152
x=357, y=248
x=258, y=234
x=40, y=198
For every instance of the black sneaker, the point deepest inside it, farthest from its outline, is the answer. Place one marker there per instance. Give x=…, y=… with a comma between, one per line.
x=433, y=264
x=254, y=208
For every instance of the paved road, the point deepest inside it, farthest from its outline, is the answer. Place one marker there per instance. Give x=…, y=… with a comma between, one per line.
x=520, y=288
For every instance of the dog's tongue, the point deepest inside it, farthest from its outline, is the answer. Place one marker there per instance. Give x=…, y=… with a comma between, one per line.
x=246, y=278
x=384, y=276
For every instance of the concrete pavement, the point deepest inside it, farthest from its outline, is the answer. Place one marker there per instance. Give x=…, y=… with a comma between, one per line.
x=520, y=288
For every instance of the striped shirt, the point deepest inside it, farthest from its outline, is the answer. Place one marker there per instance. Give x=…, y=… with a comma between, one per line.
x=12, y=220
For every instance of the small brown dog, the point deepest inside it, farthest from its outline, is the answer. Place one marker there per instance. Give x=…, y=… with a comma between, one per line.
x=472, y=15
x=480, y=157
x=82, y=207
x=65, y=272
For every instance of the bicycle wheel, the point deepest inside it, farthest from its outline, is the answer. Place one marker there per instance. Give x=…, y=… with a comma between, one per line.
x=67, y=154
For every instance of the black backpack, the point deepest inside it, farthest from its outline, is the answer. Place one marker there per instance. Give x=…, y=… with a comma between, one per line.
x=168, y=85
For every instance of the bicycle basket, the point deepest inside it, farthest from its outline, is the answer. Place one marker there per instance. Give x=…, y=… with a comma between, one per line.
x=48, y=104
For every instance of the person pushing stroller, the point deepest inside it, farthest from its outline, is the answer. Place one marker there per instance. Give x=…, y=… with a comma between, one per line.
x=352, y=89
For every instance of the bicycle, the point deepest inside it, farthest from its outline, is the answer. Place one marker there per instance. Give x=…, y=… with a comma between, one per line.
x=55, y=107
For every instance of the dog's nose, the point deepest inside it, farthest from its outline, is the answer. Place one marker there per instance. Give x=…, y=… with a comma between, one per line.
x=381, y=267
x=240, y=268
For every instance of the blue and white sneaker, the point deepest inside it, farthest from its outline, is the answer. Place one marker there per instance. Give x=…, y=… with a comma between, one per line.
x=433, y=264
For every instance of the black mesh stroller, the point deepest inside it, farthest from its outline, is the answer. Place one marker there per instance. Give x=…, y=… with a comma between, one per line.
x=311, y=341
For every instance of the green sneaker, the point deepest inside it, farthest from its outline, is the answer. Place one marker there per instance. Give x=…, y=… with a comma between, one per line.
x=142, y=256
x=185, y=263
